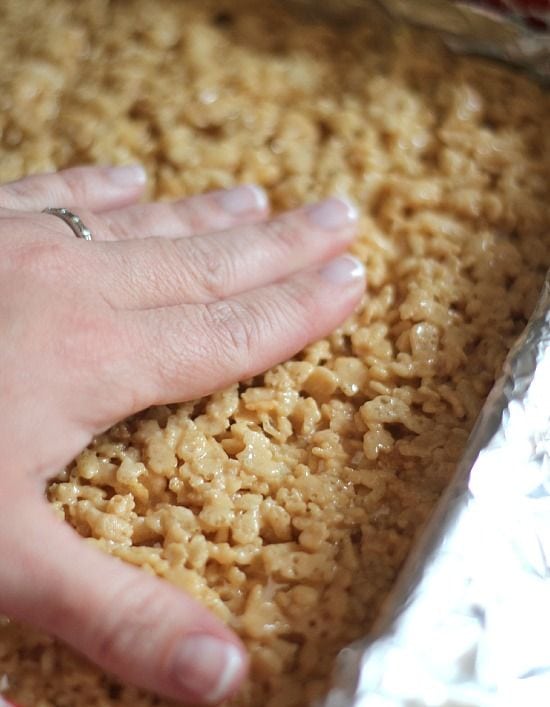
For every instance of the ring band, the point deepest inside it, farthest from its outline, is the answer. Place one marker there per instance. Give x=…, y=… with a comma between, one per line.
x=72, y=220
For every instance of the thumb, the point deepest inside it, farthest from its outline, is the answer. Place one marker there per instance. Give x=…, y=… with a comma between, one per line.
x=134, y=625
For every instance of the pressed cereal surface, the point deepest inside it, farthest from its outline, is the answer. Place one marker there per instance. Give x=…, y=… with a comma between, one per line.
x=288, y=503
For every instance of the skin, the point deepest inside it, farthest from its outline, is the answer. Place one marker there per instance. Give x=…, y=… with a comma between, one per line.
x=168, y=302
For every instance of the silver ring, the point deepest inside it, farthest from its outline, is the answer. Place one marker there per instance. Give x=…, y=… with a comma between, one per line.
x=72, y=220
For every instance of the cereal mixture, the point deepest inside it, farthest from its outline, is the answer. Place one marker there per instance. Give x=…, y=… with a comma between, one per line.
x=288, y=503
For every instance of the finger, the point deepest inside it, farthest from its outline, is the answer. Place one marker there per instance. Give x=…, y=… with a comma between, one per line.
x=193, y=215
x=94, y=188
x=187, y=351
x=214, y=211
x=136, y=626
x=154, y=273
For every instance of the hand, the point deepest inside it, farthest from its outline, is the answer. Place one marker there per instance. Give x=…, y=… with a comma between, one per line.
x=168, y=303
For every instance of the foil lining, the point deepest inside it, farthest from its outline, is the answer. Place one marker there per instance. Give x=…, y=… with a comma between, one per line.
x=468, y=623
x=471, y=28
x=464, y=25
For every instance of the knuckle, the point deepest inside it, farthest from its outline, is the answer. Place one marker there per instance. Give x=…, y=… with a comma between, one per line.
x=213, y=270
x=236, y=330
x=225, y=335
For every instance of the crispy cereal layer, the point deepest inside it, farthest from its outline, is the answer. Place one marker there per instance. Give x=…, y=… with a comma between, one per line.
x=287, y=504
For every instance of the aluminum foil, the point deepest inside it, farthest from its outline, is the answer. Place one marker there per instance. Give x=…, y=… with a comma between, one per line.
x=521, y=38
x=473, y=28
x=468, y=624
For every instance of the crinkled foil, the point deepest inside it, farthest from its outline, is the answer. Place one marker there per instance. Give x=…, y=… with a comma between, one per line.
x=470, y=28
x=468, y=624
x=464, y=26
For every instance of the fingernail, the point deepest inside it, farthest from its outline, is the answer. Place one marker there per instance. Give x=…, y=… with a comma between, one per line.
x=127, y=176
x=343, y=270
x=333, y=213
x=243, y=199
x=207, y=667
